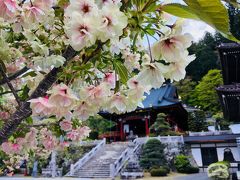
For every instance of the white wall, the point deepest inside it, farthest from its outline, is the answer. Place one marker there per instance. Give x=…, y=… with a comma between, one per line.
x=235, y=151
x=196, y=152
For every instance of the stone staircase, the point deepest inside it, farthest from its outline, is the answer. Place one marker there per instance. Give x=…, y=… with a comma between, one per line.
x=99, y=165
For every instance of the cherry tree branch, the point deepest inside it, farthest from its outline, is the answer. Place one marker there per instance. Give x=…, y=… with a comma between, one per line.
x=10, y=85
x=15, y=75
x=24, y=111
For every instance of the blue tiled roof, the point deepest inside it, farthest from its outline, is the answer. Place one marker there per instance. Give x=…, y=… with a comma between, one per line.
x=163, y=96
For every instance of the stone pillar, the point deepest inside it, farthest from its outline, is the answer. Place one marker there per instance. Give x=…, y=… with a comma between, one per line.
x=53, y=163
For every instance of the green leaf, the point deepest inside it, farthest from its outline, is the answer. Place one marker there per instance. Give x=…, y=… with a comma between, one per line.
x=121, y=70
x=180, y=11
x=212, y=12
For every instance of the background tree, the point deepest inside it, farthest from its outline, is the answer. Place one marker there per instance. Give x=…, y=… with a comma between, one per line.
x=98, y=125
x=206, y=57
x=161, y=126
x=205, y=94
x=185, y=89
x=153, y=154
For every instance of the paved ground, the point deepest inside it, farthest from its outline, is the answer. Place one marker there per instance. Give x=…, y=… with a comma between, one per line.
x=173, y=176
x=199, y=176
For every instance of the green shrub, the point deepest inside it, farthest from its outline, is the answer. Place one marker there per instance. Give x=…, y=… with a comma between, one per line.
x=152, y=154
x=158, y=172
x=183, y=165
x=219, y=170
x=166, y=168
x=192, y=170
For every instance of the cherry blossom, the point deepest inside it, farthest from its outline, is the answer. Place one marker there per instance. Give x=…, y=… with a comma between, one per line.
x=84, y=7
x=66, y=125
x=41, y=106
x=113, y=22
x=110, y=78
x=8, y=8
x=171, y=48
x=117, y=103
x=81, y=31
x=152, y=74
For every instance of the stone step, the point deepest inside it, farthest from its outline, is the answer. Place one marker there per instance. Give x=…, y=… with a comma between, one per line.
x=98, y=171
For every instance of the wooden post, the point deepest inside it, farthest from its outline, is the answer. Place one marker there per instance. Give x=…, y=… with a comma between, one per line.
x=146, y=126
x=121, y=131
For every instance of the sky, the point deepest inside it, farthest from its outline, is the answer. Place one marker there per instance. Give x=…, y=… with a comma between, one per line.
x=197, y=29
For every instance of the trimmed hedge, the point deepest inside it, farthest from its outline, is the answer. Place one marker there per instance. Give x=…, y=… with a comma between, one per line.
x=158, y=172
x=183, y=165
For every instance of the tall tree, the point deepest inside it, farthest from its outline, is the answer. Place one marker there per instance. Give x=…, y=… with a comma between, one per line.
x=206, y=57
x=205, y=94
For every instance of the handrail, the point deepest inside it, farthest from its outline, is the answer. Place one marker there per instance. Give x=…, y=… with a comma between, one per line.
x=86, y=157
x=125, y=156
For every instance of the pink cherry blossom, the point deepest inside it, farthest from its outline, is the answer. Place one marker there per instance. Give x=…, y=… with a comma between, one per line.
x=31, y=138
x=6, y=147
x=84, y=109
x=16, y=148
x=48, y=140
x=84, y=7
x=79, y=133
x=73, y=135
x=62, y=96
x=84, y=131
x=63, y=144
x=117, y=103
x=41, y=106
x=44, y=4
x=97, y=93
x=4, y=115
x=110, y=78
x=172, y=48
x=8, y=8
x=66, y=125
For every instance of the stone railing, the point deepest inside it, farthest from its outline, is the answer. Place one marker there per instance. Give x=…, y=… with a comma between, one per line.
x=162, y=139
x=210, y=133
x=86, y=157
x=125, y=156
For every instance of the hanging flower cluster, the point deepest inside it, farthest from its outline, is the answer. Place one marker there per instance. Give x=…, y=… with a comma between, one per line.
x=87, y=22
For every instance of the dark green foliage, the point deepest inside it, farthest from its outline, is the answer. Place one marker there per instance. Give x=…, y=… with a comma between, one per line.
x=158, y=172
x=183, y=165
x=93, y=135
x=197, y=121
x=234, y=17
x=152, y=154
x=206, y=57
x=99, y=124
x=161, y=126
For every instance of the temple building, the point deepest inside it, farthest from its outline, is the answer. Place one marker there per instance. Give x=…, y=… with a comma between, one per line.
x=137, y=123
x=229, y=93
x=222, y=145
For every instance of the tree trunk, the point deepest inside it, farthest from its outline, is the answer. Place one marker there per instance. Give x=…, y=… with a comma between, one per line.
x=24, y=110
